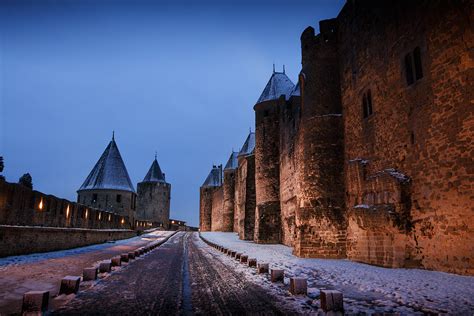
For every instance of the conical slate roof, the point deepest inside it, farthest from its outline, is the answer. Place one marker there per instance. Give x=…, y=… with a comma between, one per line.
x=279, y=84
x=232, y=163
x=109, y=172
x=214, y=179
x=154, y=174
x=296, y=91
x=249, y=145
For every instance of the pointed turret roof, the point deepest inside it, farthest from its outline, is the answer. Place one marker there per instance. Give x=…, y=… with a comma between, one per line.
x=109, y=172
x=154, y=174
x=232, y=163
x=214, y=179
x=296, y=91
x=278, y=85
x=249, y=145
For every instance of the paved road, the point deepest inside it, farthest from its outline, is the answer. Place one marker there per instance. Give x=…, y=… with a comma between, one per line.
x=181, y=277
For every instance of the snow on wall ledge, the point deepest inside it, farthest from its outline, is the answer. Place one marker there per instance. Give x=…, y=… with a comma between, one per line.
x=20, y=240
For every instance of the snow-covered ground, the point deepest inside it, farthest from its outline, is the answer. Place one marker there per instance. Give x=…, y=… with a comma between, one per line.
x=366, y=288
x=43, y=271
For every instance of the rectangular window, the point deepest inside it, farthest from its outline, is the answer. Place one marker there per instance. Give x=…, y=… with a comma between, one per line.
x=119, y=198
x=417, y=60
x=94, y=198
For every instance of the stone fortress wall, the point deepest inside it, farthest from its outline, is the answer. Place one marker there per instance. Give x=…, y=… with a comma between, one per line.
x=372, y=159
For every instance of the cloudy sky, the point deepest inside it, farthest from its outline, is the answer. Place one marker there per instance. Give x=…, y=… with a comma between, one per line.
x=179, y=78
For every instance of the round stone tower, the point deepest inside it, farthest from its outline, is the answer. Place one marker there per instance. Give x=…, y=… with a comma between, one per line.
x=154, y=195
x=267, y=172
x=108, y=186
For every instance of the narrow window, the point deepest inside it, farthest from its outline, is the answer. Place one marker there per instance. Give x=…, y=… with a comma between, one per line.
x=409, y=70
x=119, y=198
x=412, y=138
x=94, y=197
x=364, y=106
x=369, y=103
x=418, y=66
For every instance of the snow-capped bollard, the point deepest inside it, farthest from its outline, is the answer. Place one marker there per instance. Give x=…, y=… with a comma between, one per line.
x=131, y=255
x=298, y=286
x=262, y=267
x=137, y=253
x=142, y=251
x=70, y=285
x=243, y=258
x=116, y=261
x=35, y=301
x=89, y=274
x=238, y=255
x=252, y=262
x=233, y=253
x=331, y=300
x=277, y=275
x=124, y=257
x=105, y=266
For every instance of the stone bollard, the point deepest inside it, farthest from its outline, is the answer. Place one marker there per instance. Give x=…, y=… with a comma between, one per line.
x=137, y=253
x=35, y=301
x=331, y=300
x=124, y=257
x=298, y=286
x=243, y=258
x=131, y=255
x=105, y=266
x=89, y=274
x=277, y=275
x=70, y=285
x=238, y=255
x=116, y=261
x=252, y=262
x=233, y=253
x=262, y=267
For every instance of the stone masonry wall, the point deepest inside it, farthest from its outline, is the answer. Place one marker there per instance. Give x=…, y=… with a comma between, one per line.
x=245, y=197
x=320, y=215
x=267, y=172
x=217, y=213
x=421, y=130
x=229, y=200
x=21, y=206
x=289, y=125
x=205, y=208
x=153, y=203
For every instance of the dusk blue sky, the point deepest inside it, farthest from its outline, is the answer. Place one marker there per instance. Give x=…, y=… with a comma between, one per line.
x=180, y=78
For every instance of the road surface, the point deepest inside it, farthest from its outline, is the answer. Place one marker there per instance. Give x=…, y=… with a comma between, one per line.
x=181, y=277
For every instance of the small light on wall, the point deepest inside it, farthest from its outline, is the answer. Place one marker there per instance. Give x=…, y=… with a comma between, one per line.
x=100, y=215
x=122, y=221
x=172, y=222
x=110, y=217
x=41, y=204
x=67, y=211
x=87, y=212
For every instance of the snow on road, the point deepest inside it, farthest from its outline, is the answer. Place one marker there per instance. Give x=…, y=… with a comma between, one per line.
x=43, y=271
x=366, y=288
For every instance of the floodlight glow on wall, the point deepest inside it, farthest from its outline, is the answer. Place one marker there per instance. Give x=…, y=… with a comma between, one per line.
x=41, y=204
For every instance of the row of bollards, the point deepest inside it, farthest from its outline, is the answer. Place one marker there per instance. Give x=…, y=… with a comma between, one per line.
x=38, y=301
x=331, y=300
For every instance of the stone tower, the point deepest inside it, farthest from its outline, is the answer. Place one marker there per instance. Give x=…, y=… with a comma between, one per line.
x=108, y=186
x=267, y=172
x=229, y=193
x=154, y=195
x=212, y=183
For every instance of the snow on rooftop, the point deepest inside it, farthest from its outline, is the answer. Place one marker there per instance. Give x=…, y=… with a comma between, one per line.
x=109, y=172
x=232, y=163
x=154, y=174
x=278, y=85
x=214, y=179
x=249, y=145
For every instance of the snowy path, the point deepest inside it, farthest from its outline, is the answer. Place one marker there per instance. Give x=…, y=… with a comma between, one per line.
x=366, y=288
x=43, y=271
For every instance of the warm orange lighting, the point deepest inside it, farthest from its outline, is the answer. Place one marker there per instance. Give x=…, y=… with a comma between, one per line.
x=41, y=204
x=172, y=222
x=67, y=212
x=123, y=221
x=87, y=212
x=100, y=215
x=110, y=217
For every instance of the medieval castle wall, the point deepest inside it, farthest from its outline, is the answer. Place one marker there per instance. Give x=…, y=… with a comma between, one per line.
x=205, y=208
x=229, y=200
x=217, y=209
x=373, y=159
x=245, y=197
x=153, y=203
